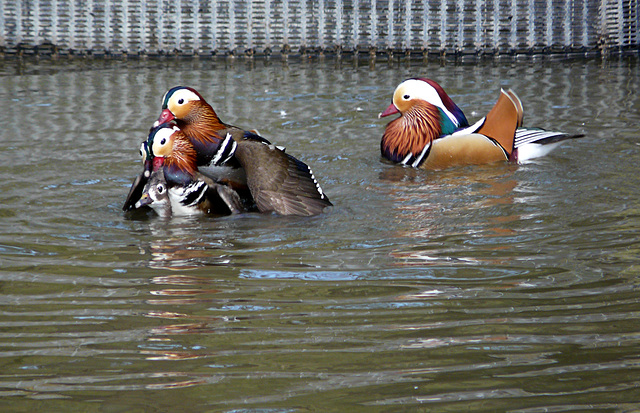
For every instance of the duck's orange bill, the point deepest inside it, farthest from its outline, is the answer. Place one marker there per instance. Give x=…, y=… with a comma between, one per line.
x=392, y=109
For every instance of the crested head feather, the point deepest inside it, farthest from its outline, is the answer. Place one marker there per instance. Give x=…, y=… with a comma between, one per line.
x=195, y=95
x=414, y=90
x=448, y=103
x=411, y=132
x=159, y=140
x=169, y=142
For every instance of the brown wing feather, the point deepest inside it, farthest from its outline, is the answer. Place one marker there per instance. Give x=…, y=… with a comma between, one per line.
x=279, y=182
x=518, y=104
x=502, y=121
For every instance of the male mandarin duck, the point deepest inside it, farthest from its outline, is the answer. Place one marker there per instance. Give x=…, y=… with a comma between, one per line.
x=197, y=119
x=432, y=132
x=278, y=182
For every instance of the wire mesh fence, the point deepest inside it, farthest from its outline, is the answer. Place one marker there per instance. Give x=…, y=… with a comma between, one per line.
x=234, y=27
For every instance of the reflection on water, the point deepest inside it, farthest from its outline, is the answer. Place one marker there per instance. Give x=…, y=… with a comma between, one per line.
x=498, y=288
x=176, y=245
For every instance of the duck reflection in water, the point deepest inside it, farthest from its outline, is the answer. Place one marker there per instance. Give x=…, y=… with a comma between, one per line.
x=432, y=211
x=177, y=242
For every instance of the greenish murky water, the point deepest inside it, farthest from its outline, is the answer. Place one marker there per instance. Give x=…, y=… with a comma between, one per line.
x=493, y=288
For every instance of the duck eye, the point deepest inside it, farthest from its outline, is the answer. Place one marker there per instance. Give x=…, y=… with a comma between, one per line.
x=163, y=141
x=406, y=97
x=180, y=101
x=160, y=188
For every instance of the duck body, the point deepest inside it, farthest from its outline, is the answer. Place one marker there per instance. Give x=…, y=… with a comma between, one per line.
x=197, y=197
x=433, y=133
x=277, y=182
x=459, y=150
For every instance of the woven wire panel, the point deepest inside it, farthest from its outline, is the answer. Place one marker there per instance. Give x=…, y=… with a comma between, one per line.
x=203, y=27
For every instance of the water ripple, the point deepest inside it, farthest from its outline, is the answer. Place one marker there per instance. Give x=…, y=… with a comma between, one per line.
x=490, y=288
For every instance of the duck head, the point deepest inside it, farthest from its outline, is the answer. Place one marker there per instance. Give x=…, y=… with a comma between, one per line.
x=175, y=151
x=156, y=195
x=188, y=109
x=426, y=113
x=158, y=144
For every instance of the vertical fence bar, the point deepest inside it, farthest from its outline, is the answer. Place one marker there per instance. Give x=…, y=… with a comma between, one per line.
x=338, y=22
x=214, y=27
x=374, y=24
x=443, y=25
x=3, y=36
x=303, y=24
x=321, y=24
x=195, y=11
x=18, y=23
x=285, y=24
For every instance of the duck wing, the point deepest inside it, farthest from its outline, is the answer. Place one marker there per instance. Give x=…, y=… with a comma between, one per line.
x=279, y=182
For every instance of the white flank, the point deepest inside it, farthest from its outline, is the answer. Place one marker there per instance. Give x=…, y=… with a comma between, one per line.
x=534, y=150
x=528, y=148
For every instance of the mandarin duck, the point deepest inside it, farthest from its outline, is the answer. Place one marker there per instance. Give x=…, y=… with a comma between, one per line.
x=174, y=154
x=195, y=198
x=278, y=182
x=197, y=119
x=432, y=132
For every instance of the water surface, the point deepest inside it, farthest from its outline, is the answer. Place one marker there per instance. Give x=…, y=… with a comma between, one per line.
x=492, y=288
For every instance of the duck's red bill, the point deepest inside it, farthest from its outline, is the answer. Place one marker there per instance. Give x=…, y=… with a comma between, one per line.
x=392, y=109
x=158, y=161
x=165, y=116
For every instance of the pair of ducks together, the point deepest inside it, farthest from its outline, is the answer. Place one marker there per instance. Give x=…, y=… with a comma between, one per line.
x=194, y=163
